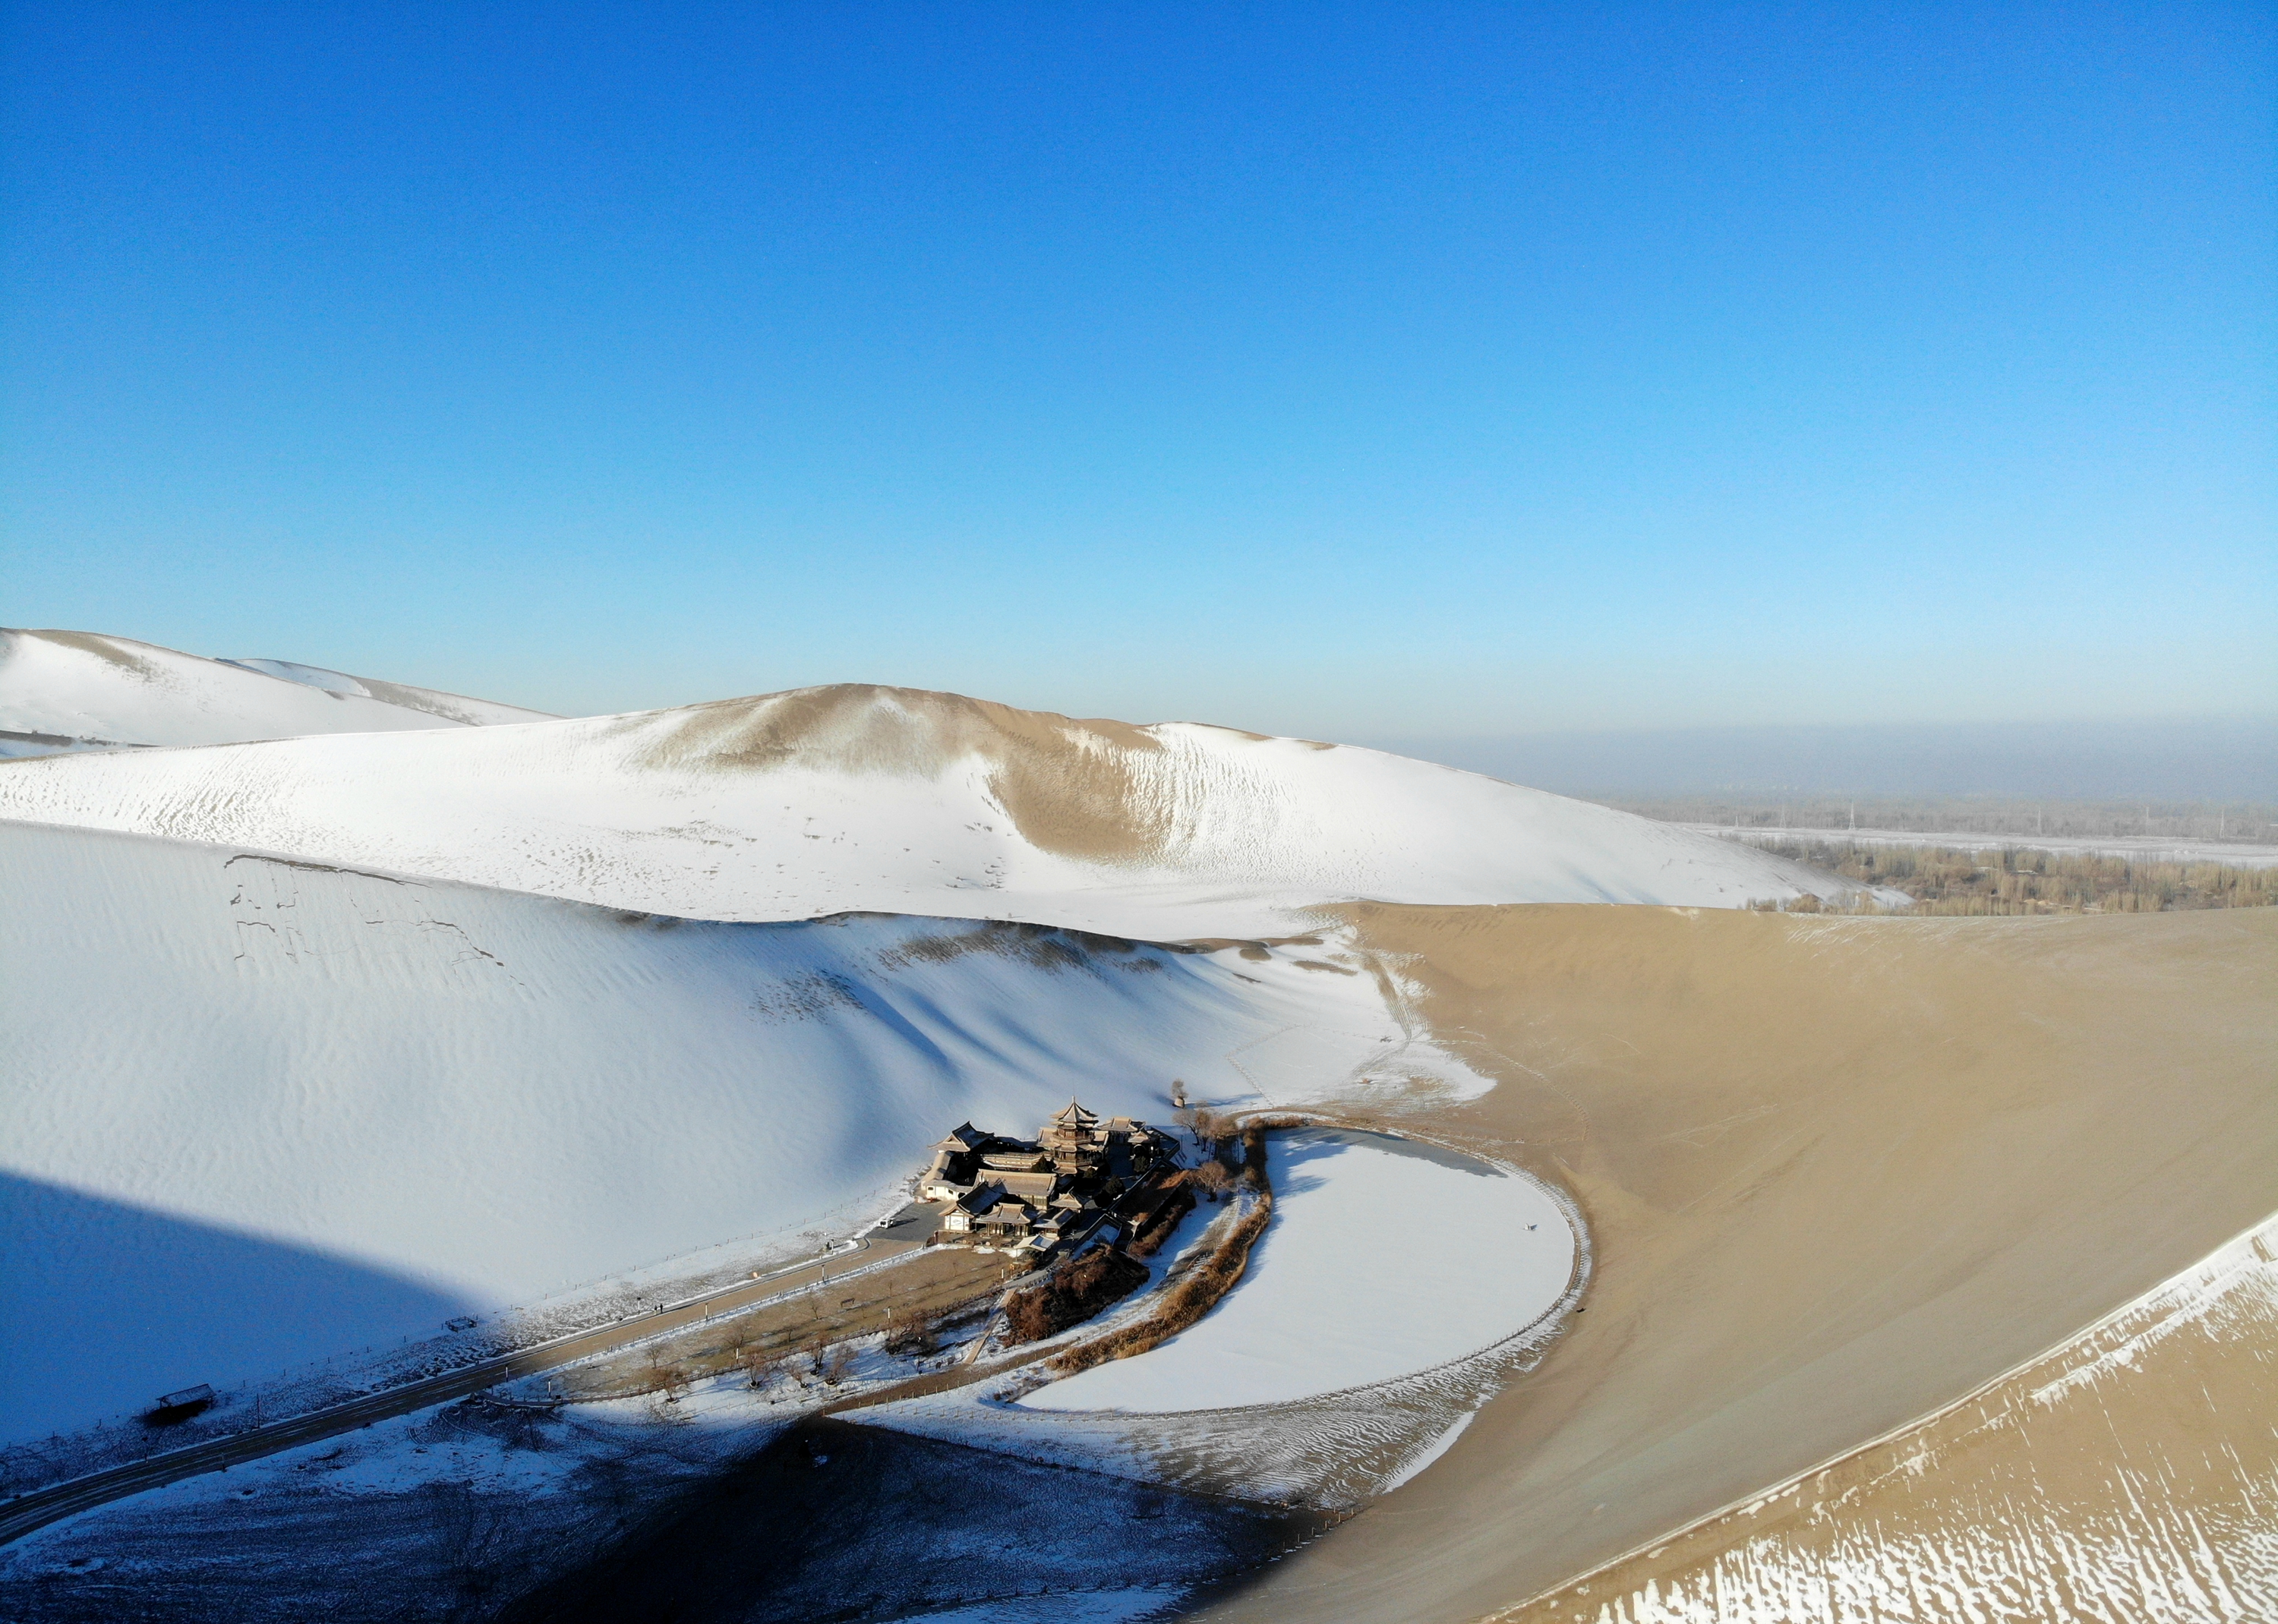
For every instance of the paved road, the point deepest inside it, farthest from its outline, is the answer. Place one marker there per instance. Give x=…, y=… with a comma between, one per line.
x=42, y=1506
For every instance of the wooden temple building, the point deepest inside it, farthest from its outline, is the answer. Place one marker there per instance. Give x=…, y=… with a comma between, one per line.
x=1039, y=1195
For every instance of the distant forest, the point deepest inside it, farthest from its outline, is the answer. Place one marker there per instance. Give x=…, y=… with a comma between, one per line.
x=2014, y=880
x=2250, y=822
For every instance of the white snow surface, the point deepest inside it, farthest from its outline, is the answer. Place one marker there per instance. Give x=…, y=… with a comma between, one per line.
x=1380, y=1260
x=84, y=687
x=256, y=1110
x=823, y=801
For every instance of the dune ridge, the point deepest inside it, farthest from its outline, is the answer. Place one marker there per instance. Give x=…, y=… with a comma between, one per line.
x=2126, y=1475
x=822, y=800
x=66, y=690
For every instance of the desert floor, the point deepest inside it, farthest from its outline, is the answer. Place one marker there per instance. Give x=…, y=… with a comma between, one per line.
x=1840, y=1173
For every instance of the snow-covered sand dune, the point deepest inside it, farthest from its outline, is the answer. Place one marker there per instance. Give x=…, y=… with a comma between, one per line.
x=831, y=800
x=478, y=1097
x=61, y=690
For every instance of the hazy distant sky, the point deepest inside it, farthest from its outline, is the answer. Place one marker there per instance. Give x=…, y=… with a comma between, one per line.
x=1351, y=372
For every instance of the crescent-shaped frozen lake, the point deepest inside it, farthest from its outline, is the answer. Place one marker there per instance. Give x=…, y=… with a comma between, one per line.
x=1384, y=1257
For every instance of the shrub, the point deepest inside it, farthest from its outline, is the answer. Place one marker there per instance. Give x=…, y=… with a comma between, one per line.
x=1195, y=1295
x=914, y=1340
x=1198, y=1291
x=1209, y=1126
x=1072, y=1293
x=1160, y=1223
x=762, y=1367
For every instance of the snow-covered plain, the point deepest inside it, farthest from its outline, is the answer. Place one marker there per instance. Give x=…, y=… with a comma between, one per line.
x=65, y=689
x=828, y=800
x=258, y=1110
x=1380, y=1260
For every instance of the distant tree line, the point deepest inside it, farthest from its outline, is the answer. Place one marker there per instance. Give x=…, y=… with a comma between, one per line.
x=2246, y=821
x=2014, y=880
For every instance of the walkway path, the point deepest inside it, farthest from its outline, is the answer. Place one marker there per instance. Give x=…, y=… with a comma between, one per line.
x=41, y=1506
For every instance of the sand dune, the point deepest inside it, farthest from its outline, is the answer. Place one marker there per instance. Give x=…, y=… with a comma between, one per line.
x=826, y=800
x=490, y=1096
x=1838, y=1174
x=2127, y=1476
x=436, y=1002
x=62, y=690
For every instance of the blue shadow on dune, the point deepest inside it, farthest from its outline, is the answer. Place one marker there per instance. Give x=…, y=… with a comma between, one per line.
x=104, y=1306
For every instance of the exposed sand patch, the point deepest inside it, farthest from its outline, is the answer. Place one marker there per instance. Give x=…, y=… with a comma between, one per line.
x=1068, y=786
x=452, y=708
x=1838, y=1173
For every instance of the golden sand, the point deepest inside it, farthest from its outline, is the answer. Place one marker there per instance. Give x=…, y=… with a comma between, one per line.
x=1838, y=1173
x=1068, y=785
x=2130, y=1475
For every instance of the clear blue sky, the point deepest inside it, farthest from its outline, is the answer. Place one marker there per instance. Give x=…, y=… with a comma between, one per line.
x=1350, y=371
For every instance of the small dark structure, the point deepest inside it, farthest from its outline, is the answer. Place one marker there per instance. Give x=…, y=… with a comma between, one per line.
x=180, y=1406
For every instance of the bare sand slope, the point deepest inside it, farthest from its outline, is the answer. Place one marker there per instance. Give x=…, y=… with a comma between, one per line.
x=1840, y=1173
x=2129, y=1476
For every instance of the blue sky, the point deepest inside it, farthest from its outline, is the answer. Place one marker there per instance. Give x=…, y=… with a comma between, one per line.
x=1351, y=372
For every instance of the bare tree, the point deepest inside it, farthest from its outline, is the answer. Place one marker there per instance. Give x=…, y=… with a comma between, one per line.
x=762, y=1367
x=1210, y=1129
x=665, y=1376
x=912, y=1339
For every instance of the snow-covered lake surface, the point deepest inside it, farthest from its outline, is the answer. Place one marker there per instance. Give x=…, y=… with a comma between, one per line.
x=1383, y=1257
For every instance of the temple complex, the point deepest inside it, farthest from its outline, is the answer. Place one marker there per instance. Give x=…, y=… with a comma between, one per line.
x=1041, y=1195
